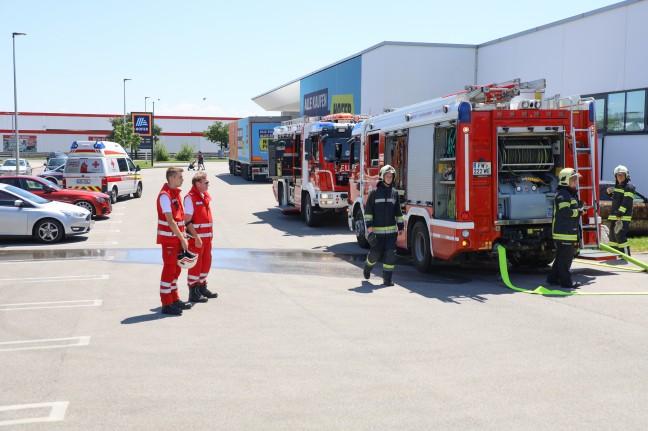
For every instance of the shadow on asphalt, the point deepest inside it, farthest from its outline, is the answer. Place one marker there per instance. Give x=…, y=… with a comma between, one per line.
x=157, y=315
x=234, y=180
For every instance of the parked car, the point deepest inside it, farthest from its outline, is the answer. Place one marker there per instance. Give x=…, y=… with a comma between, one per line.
x=55, y=162
x=55, y=176
x=55, y=154
x=639, y=223
x=96, y=202
x=25, y=214
x=9, y=167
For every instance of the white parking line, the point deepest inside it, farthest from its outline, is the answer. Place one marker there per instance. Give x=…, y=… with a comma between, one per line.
x=61, y=260
x=57, y=412
x=75, y=244
x=55, y=278
x=56, y=304
x=52, y=343
x=105, y=230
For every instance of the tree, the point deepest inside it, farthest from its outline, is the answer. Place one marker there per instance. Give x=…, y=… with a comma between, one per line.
x=218, y=133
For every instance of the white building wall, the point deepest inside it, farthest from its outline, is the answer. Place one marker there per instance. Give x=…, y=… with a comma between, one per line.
x=398, y=75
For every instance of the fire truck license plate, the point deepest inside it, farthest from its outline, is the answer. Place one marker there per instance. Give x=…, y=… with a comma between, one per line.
x=83, y=181
x=482, y=168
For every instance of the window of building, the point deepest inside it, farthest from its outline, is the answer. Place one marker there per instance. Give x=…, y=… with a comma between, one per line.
x=621, y=112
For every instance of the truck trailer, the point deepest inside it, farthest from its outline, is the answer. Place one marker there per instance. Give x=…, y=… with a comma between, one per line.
x=248, y=143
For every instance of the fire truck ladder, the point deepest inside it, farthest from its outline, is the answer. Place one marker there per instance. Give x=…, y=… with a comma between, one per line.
x=585, y=148
x=502, y=92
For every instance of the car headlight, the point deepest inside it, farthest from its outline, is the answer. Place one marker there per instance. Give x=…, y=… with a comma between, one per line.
x=326, y=196
x=80, y=214
x=100, y=199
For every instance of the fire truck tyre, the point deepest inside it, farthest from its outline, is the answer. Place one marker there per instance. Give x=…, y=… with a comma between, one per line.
x=48, y=231
x=309, y=213
x=86, y=205
x=113, y=195
x=280, y=195
x=138, y=192
x=421, y=247
x=359, y=228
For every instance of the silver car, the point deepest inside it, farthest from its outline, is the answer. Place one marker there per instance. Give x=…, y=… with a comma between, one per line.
x=25, y=214
x=9, y=167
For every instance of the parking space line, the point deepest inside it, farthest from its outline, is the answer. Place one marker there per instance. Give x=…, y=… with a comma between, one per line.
x=61, y=260
x=74, y=244
x=51, y=343
x=55, y=278
x=55, y=304
x=105, y=230
x=57, y=412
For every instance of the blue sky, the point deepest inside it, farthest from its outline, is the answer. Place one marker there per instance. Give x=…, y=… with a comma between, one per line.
x=77, y=53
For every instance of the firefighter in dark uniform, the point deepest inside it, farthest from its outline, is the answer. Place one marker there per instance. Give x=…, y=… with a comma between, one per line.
x=621, y=213
x=384, y=221
x=564, y=228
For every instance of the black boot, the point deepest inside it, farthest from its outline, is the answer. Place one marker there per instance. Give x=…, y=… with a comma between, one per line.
x=367, y=271
x=202, y=288
x=195, y=295
x=387, y=279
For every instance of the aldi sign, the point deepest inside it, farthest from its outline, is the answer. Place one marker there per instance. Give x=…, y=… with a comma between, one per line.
x=142, y=123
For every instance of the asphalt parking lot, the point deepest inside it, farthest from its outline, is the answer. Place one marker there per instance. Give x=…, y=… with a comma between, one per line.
x=299, y=340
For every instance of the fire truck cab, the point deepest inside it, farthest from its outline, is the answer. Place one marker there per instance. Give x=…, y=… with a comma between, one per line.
x=479, y=168
x=309, y=165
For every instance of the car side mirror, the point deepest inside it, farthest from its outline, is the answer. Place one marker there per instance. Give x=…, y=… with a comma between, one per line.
x=19, y=203
x=137, y=168
x=308, y=156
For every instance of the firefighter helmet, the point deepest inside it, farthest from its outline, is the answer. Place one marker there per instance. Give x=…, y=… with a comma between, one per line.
x=187, y=259
x=621, y=170
x=566, y=174
x=387, y=169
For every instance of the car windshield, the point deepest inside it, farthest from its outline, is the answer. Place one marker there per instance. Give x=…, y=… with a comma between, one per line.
x=26, y=195
x=55, y=162
x=50, y=184
x=12, y=162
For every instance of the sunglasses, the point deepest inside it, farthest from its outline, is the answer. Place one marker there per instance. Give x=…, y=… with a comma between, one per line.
x=206, y=183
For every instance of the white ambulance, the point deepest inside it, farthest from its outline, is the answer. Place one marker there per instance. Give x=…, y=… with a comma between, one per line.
x=102, y=166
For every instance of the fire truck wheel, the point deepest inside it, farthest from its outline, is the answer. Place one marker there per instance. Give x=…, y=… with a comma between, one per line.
x=359, y=228
x=312, y=220
x=421, y=247
x=113, y=195
x=138, y=192
x=280, y=195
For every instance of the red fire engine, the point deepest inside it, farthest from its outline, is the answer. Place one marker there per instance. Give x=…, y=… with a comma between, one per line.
x=479, y=168
x=309, y=165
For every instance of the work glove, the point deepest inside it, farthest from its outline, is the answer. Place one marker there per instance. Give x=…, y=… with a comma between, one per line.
x=618, y=226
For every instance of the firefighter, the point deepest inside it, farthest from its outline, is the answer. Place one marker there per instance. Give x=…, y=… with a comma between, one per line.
x=384, y=220
x=171, y=236
x=621, y=213
x=198, y=222
x=565, y=228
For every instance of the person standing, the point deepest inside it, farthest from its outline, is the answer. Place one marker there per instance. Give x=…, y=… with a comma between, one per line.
x=199, y=223
x=621, y=213
x=171, y=236
x=564, y=228
x=201, y=161
x=384, y=220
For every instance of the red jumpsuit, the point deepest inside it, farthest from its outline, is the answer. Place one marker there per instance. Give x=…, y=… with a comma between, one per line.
x=171, y=245
x=202, y=222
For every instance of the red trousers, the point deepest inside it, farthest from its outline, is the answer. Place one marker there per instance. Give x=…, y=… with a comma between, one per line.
x=170, y=273
x=198, y=274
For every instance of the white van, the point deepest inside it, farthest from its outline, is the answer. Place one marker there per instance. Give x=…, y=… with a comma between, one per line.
x=102, y=166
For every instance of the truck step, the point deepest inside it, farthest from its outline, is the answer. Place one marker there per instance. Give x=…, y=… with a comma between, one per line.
x=288, y=209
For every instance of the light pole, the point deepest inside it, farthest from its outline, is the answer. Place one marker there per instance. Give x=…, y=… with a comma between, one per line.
x=124, y=134
x=153, y=132
x=145, y=102
x=13, y=37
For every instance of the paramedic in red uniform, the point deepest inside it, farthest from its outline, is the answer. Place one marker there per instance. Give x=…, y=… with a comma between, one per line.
x=171, y=236
x=198, y=221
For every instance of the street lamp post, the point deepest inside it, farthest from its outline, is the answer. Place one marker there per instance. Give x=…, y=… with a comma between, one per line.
x=13, y=37
x=145, y=99
x=124, y=130
x=153, y=133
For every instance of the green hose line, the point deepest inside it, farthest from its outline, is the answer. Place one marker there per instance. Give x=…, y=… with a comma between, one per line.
x=630, y=259
x=541, y=290
x=613, y=267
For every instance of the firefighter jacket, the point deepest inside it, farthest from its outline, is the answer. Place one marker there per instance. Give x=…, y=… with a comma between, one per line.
x=164, y=233
x=383, y=211
x=202, y=216
x=622, y=201
x=564, y=226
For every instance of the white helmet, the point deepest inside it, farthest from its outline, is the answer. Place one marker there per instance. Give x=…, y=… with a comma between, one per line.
x=566, y=174
x=187, y=259
x=387, y=169
x=621, y=170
